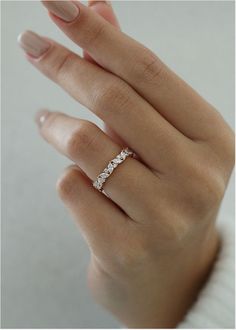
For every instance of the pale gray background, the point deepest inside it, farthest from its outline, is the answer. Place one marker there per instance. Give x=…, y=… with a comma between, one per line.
x=44, y=256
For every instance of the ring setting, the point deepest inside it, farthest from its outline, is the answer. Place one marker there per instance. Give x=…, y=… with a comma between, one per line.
x=111, y=166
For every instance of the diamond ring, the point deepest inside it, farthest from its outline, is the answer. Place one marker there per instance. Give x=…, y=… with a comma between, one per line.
x=102, y=177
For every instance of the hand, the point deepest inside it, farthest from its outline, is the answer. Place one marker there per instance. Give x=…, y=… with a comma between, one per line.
x=153, y=241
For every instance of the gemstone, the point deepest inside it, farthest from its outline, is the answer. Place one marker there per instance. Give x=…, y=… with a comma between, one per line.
x=97, y=185
x=100, y=180
x=110, y=167
x=117, y=160
x=103, y=175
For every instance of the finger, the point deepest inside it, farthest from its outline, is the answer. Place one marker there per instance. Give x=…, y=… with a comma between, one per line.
x=131, y=61
x=91, y=149
x=142, y=128
x=105, y=10
x=103, y=224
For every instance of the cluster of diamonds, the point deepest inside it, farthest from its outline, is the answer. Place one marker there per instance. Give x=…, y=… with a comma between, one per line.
x=98, y=183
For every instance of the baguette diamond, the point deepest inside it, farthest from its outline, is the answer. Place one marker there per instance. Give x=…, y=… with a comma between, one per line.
x=102, y=177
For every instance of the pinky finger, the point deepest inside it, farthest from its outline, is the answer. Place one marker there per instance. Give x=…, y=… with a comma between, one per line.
x=100, y=220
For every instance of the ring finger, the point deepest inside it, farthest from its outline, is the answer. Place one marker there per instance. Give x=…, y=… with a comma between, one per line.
x=91, y=149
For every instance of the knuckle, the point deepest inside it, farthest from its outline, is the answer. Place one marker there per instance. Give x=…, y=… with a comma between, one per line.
x=81, y=138
x=213, y=189
x=148, y=69
x=228, y=147
x=67, y=183
x=230, y=151
x=111, y=99
x=230, y=158
x=222, y=141
x=56, y=62
x=207, y=188
x=95, y=34
x=64, y=64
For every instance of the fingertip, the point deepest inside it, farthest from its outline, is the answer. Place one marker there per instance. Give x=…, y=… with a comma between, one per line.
x=33, y=44
x=41, y=116
x=94, y=2
x=104, y=9
x=67, y=11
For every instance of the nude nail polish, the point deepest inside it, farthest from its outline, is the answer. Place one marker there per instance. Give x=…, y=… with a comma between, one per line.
x=33, y=44
x=41, y=116
x=66, y=10
x=94, y=2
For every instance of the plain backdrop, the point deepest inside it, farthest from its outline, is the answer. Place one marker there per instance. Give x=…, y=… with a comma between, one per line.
x=44, y=257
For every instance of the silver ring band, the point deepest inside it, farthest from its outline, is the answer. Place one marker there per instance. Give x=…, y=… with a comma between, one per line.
x=104, y=175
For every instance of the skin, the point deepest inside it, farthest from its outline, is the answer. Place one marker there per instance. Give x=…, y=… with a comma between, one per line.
x=153, y=241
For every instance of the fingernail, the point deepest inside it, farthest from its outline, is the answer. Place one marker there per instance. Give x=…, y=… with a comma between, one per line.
x=94, y=2
x=73, y=167
x=41, y=116
x=66, y=10
x=33, y=44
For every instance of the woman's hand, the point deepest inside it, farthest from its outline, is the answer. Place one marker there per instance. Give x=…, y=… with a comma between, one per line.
x=153, y=240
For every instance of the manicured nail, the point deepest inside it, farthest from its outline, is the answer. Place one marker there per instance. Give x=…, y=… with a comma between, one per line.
x=33, y=44
x=41, y=116
x=73, y=167
x=94, y=2
x=66, y=10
